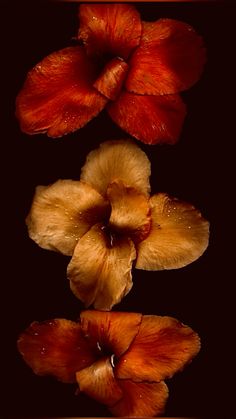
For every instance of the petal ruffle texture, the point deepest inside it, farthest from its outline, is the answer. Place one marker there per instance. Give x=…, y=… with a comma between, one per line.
x=63, y=212
x=58, y=96
x=151, y=119
x=98, y=381
x=55, y=347
x=109, y=29
x=179, y=235
x=100, y=269
x=141, y=399
x=130, y=212
x=170, y=58
x=169, y=345
x=101, y=329
x=114, y=160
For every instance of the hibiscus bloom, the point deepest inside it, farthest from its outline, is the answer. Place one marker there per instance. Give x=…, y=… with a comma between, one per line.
x=135, y=69
x=107, y=221
x=119, y=359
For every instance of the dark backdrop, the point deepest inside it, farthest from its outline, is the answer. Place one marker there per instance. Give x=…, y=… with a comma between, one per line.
x=195, y=170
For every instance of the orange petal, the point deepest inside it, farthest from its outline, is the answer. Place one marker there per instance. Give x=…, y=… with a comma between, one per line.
x=100, y=269
x=55, y=347
x=62, y=212
x=98, y=382
x=170, y=58
x=109, y=28
x=114, y=160
x=130, y=214
x=179, y=235
x=141, y=399
x=162, y=347
x=111, y=79
x=58, y=96
x=111, y=332
x=150, y=119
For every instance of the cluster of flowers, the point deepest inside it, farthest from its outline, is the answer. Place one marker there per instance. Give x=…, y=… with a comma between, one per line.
x=107, y=221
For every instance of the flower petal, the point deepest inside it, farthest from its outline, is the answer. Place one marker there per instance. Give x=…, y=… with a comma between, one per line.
x=100, y=269
x=58, y=96
x=170, y=58
x=141, y=399
x=62, y=212
x=111, y=79
x=109, y=28
x=150, y=119
x=179, y=235
x=98, y=382
x=55, y=347
x=111, y=332
x=114, y=160
x=162, y=347
x=130, y=214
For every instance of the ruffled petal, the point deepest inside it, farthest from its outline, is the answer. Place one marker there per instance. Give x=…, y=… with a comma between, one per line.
x=98, y=382
x=100, y=269
x=112, y=332
x=130, y=212
x=141, y=399
x=58, y=96
x=111, y=79
x=179, y=235
x=150, y=119
x=113, y=29
x=55, y=347
x=162, y=347
x=62, y=212
x=114, y=160
x=170, y=58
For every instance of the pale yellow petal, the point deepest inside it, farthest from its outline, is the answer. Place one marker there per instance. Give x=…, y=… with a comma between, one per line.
x=100, y=269
x=130, y=212
x=179, y=235
x=113, y=160
x=62, y=212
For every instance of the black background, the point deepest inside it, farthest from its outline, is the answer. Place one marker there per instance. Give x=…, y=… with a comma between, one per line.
x=197, y=169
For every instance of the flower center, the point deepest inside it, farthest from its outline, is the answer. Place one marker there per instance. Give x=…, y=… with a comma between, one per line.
x=111, y=78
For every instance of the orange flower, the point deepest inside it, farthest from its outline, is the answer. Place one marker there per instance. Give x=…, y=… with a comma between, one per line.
x=135, y=69
x=107, y=221
x=119, y=359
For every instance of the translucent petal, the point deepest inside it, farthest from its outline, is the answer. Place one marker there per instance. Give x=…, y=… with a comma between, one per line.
x=113, y=29
x=179, y=235
x=113, y=160
x=55, y=347
x=162, y=347
x=62, y=212
x=58, y=96
x=150, y=119
x=100, y=269
x=170, y=58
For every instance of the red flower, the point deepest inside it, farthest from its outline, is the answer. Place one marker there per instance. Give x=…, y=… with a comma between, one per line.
x=135, y=69
x=119, y=359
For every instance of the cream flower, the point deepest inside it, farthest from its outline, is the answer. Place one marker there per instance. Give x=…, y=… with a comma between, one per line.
x=108, y=222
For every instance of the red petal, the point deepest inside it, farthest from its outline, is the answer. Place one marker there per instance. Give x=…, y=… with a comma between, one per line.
x=110, y=81
x=58, y=96
x=150, y=119
x=162, y=347
x=98, y=382
x=141, y=399
x=170, y=58
x=109, y=28
x=55, y=347
x=112, y=332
